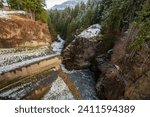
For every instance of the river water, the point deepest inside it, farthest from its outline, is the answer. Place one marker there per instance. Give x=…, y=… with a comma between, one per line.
x=84, y=80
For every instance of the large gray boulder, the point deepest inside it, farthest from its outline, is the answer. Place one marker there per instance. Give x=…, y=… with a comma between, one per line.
x=80, y=53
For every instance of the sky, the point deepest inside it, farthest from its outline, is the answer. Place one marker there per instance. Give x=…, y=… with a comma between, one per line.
x=51, y=3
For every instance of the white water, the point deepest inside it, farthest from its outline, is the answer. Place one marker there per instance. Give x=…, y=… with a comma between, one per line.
x=58, y=45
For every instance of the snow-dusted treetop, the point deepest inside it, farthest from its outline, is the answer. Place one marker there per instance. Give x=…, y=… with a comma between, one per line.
x=91, y=32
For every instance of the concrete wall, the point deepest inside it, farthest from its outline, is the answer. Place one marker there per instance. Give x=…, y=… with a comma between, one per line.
x=29, y=70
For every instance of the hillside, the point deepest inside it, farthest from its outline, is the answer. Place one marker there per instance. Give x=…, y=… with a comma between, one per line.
x=17, y=31
x=69, y=3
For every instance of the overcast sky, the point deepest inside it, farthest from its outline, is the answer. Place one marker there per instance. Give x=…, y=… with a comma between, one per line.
x=51, y=3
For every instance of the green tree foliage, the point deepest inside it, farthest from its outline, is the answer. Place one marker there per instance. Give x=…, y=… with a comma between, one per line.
x=1, y=3
x=16, y=4
x=115, y=16
x=118, y=14
x=143, y=25
x=72, y=21
x=34, y=7
x=51, y=28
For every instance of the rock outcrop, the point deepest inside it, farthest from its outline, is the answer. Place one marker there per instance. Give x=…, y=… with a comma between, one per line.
x=20, y=32
x=80, y=53
x=110, y=85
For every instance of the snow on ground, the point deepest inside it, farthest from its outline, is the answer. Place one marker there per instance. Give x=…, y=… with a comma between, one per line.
x=91, y=32
x=10, y=67
x=2, y=15
x=10, y=56
x=58, y=45
x=11, y=59
x=5, y=14
x=13, y=12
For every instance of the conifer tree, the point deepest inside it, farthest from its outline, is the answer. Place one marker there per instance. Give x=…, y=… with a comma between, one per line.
x=1, y=4
x=143, y=24
x=34, y=7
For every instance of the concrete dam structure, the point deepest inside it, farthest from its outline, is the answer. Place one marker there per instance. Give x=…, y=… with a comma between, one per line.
x=30, y=73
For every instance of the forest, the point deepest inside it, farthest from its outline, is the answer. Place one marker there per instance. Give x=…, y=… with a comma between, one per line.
x=34, y=7
x=115, y=16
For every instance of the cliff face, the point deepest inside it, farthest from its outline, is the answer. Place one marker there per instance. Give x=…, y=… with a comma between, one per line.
x=20, y=32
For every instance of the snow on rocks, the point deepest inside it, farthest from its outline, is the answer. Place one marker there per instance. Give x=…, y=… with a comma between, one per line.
x=11, y=59
x=24, y=63
x=58, y=45
x=91, y=32
x=10, y=56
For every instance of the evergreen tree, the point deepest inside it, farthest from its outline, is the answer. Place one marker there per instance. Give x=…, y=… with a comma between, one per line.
x=1, y=3
x=34, y=7
x=96, y=14
x=70, y=22
x=16, y=4
x=143, y=24
x=118, y=14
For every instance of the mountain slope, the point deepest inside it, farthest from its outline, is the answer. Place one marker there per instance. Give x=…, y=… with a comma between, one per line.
x=69, y=3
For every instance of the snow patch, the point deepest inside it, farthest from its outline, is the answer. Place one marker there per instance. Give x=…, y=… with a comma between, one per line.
x=13, y=55
x=5, y=14
x=91, y=32
x=2, y=12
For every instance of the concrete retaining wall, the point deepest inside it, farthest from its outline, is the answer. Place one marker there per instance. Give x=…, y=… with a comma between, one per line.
x=32, y=69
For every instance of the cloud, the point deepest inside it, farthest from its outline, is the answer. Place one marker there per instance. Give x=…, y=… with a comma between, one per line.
x=51, y=3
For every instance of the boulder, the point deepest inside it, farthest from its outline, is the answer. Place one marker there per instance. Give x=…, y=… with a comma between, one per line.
x=80, y=53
